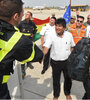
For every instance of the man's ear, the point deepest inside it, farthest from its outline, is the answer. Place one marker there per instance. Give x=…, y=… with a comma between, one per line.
x=15, y=16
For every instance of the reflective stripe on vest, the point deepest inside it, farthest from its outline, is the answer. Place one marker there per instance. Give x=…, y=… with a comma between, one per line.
x=27, y=34
x=77, y=37
x=17, y=29
x=6, y=46
x=31, y=57
x=5, y=78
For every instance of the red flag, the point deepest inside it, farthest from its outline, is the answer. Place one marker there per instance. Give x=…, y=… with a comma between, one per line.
x=39, y=23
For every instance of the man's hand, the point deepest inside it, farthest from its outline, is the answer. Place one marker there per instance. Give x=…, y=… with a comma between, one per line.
x=32, y=35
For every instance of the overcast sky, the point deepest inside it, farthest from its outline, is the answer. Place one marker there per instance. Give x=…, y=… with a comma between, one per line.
x=61, y=3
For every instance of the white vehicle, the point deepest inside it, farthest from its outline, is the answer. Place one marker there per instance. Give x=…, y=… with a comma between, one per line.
x=38, y=8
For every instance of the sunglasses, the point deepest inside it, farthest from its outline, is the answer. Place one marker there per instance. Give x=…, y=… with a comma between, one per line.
x=79, y=21
x=88, y=18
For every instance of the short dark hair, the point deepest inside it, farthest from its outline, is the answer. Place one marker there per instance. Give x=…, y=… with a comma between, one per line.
x=53, y=18
x=61, y=21
x=9, y=7
x=81, y=17
x=29, y=13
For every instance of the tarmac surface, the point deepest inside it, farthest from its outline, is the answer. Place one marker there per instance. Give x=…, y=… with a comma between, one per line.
x=36, y=86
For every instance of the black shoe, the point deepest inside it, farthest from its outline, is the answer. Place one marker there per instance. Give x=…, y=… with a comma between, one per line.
x=23, y=74
x=23, y=70
x=43, y=71
x=30, y=66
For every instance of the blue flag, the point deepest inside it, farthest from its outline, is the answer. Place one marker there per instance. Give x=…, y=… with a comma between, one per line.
x=67, y=15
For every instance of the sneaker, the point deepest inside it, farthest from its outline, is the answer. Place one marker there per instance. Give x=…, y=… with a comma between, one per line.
x=23, y=70
x=23, y=74
x=30, y=65
x=43, y=71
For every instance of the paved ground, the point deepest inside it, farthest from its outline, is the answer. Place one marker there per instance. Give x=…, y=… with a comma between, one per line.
x=37, y=86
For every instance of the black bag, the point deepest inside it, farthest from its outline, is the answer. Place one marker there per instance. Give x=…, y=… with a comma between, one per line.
x=79, y=60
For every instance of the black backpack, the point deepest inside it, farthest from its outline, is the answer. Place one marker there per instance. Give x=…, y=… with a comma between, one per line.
x=79, y=60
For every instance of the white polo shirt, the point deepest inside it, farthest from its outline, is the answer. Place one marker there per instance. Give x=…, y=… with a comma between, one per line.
x=45, y=30
x=88, y=31
x=60, y=49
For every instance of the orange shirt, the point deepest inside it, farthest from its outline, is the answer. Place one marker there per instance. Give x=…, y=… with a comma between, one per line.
x=77, y=33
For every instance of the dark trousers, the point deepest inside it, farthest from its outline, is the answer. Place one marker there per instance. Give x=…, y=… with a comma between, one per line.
x=4, y=92
x=57, y=68
x=28, y=63
x=23, y=66
x=87, y=88
x=46, y=61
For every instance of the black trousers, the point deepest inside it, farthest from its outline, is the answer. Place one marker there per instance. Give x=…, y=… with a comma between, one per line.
x=57, y=68
x=23, y=65
x=4, y=92
x=87, y=88
x=46, y=61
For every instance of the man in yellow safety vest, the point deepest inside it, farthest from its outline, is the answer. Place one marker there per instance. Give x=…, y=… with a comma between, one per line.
x=13, y=45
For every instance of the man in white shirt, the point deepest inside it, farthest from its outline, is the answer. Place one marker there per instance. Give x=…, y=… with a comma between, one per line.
x=88, y=31
x=87, y=24
x=62, y=45
x=44, y=33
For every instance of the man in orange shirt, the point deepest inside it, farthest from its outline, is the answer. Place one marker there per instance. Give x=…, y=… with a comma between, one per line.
x=72, y=21
x=78, y=30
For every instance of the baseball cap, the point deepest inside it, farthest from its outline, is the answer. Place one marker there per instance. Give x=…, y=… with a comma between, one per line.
x=73, y=17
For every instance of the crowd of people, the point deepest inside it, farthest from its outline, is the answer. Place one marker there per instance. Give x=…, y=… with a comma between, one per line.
x=57, y=39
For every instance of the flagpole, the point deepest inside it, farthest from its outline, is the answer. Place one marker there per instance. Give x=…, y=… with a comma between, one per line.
x=70, y=4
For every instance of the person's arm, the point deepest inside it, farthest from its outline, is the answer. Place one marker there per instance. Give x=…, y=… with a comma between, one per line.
x=42, y=33
x=27, y=51
x=45, y=50
x=47, y=44
x=34, y=29
x=42, y=40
